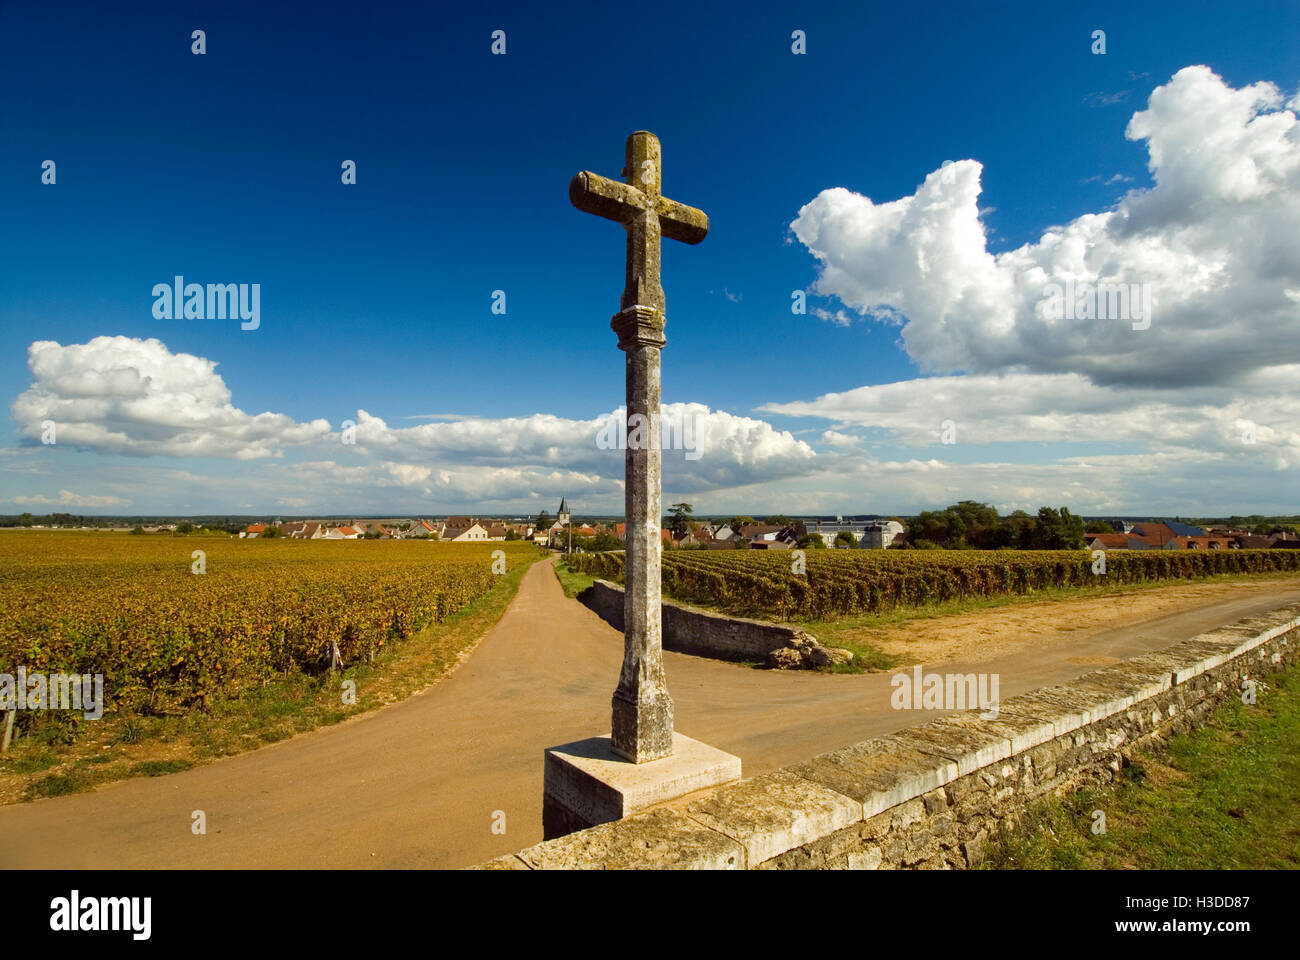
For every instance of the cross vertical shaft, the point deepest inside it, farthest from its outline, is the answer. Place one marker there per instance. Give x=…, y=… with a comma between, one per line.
x=642, y=727
x=642, y=723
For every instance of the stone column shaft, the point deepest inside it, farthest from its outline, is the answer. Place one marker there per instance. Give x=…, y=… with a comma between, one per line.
x=642, y=725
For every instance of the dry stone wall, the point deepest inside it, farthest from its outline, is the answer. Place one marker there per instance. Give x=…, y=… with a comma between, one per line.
x=934, y=796
x=708, y=634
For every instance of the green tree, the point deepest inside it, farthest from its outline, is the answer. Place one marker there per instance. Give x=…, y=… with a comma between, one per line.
x=682, y=515
x=543, y=521
x=809, y=541
x=1098, y=526
x=735, y=523
x=845, y=538
x=778, y=521
x=1056, y=530
x=981, y=524
x=946, y=528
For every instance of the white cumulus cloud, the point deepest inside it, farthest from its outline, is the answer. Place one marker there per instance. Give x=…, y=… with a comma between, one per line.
x=1214, y=238
x=131, y=396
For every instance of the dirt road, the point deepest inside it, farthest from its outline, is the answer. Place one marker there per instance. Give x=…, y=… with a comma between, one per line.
x=418, y=784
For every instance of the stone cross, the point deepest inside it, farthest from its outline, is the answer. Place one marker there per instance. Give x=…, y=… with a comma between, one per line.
x=642, y=727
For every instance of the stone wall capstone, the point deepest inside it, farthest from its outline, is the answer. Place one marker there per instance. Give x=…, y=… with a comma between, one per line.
x=708, y=634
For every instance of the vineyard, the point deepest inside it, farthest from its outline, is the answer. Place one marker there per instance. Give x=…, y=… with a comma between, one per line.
x=841, y=582
x=166, y=637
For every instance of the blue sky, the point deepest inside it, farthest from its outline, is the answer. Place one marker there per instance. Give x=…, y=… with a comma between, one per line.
x=225, y=168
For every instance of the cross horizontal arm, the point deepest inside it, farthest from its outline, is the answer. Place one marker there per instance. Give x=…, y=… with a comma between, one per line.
x=680, y=222
x=592, y=193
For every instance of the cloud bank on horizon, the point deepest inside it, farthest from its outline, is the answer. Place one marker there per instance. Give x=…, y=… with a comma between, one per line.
x=1196, y=409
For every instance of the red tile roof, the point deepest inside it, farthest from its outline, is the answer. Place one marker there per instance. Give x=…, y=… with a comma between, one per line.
x=1156, y=534
x=1115, y=541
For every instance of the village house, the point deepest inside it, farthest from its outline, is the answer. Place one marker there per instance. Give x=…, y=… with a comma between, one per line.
x=1207, y=543
x=1116, y=541
x=1252, y=541
x=463, y=530
x=1157, y=536
x=1173, y=535
x=422, y=529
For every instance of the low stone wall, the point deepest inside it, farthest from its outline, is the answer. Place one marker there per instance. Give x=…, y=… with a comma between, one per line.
x=933, y=796
x=699, y=631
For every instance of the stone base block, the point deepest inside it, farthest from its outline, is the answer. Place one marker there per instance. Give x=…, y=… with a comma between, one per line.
x=642, y=730
x=586, y=783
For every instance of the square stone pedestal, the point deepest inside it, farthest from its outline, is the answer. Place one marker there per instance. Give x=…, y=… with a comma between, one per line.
x=586, y=783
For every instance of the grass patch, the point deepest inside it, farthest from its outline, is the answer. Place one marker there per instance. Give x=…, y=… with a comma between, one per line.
x=158, y=768
x=1219, y=798
x=57, y=785
x=573, y=581
x=118, y=747
x=33, y=762
x=866, y=658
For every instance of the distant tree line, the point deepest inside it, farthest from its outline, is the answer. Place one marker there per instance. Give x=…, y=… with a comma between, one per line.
x=970, y=525
x=205, y=526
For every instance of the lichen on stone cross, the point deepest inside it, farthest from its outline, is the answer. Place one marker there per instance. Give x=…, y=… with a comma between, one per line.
x=644, y=211
x=642, y=723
